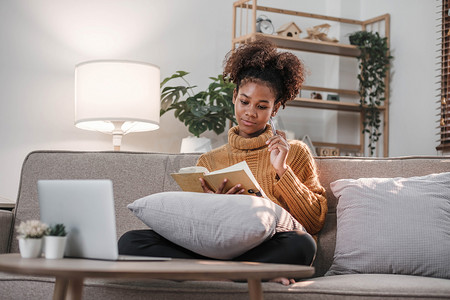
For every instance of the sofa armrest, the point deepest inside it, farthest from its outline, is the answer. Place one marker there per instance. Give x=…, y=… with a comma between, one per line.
x=6, y=221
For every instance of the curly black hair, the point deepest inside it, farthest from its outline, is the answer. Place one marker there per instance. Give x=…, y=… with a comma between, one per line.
x=259, y=60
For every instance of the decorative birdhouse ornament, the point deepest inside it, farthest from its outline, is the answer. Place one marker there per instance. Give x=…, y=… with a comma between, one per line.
x=290, y=30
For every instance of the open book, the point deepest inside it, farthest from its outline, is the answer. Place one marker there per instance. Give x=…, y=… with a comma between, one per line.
x=188, y=179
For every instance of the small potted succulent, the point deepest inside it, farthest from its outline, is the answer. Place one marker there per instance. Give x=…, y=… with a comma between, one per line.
x=55, y=241
x=30, y=237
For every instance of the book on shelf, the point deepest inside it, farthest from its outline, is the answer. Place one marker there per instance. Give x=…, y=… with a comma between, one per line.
x=188, y=179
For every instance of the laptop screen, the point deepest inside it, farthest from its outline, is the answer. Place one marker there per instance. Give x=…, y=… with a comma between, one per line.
x=86, y=208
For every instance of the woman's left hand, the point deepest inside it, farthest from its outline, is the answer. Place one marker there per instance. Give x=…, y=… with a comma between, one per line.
x=279, y=149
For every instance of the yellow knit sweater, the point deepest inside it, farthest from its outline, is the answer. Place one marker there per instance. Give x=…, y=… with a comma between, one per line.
x=298, y=190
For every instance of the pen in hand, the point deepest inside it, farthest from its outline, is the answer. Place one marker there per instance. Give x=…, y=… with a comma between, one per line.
x=274, y=130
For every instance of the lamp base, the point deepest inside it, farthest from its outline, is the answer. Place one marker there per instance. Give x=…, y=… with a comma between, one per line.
x=117, y=136
x=117, y=140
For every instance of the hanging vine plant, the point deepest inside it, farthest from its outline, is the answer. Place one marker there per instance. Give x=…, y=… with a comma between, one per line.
x=374, y=63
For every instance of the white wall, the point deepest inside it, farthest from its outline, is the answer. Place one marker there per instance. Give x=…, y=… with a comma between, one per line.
x=42, y=41
x=413, y=99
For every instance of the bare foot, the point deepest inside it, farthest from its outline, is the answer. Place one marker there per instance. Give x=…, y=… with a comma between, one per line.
x=283, y=280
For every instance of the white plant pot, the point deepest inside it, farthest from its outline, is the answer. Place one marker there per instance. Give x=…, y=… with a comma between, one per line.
x=194, y=144
x=54, y=246
x=30, y=248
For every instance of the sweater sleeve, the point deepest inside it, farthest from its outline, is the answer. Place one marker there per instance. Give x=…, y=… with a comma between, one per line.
x=300, y=191
x=203, y=162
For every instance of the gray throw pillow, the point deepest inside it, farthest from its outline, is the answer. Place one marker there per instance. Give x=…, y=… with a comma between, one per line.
x=393, y=226
x=213, y=225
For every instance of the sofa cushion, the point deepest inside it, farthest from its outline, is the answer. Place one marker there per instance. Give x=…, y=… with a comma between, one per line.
x=371, y=286
x=348, y=287
x=213, y=225
x=6, y=218
x=393, y=225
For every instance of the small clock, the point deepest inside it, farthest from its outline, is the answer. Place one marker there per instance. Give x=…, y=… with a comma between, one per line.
x=264, y=25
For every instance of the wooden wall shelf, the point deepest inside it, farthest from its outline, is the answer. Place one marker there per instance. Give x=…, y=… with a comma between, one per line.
x=303, y=45
x=328, y=104
x=325, y=104
x=244, y=22
x=345, y=147
x=330, y=90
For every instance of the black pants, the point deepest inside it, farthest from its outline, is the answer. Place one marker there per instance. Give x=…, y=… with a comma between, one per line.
x=293, y=247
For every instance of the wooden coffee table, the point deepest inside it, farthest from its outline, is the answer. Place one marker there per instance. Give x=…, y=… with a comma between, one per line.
x=70, y=273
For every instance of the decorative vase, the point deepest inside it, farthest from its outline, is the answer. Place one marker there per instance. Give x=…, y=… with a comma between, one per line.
x=30, y=248
x=54, y=246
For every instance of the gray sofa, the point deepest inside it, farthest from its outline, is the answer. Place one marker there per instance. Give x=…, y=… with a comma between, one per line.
x=135, y=175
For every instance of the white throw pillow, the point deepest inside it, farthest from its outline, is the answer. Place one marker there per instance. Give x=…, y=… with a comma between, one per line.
x=213, y=225
x=393, y=225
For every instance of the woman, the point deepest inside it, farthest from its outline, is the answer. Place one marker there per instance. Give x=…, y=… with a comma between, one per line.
x=265, y=80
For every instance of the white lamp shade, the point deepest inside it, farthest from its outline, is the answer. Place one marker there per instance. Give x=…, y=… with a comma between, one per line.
x=122, y=92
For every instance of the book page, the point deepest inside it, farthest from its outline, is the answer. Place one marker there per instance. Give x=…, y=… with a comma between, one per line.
x=234, y=177
x=239, y=173
x=239, y=166
x=194, y=169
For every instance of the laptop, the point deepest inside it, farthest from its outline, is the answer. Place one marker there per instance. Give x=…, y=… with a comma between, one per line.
x=86, y=208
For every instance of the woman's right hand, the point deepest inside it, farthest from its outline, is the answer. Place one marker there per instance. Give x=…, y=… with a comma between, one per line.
x=234, y=190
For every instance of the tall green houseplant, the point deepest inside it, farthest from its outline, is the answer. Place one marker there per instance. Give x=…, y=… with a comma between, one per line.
x=374, y=63
x=206, y=110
